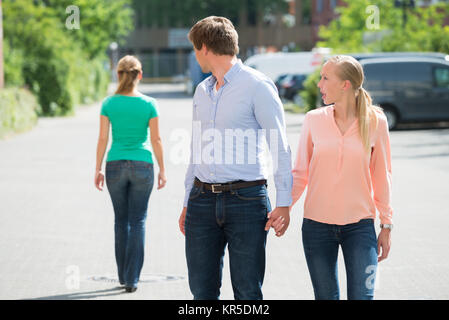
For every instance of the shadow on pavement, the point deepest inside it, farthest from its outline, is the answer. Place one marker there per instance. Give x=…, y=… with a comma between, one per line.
x=85, y=295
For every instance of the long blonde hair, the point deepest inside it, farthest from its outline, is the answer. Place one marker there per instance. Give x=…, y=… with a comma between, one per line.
x=350, y=69
x=128, y=69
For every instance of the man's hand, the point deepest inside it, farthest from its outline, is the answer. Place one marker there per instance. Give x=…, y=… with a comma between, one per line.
x=279, y=219
x=182, y=220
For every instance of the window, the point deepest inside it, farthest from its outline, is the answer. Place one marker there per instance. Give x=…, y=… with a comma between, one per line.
x=333, y=4
x=441, y=77
x=399, y=71
x=398, y=75
x=319, y=6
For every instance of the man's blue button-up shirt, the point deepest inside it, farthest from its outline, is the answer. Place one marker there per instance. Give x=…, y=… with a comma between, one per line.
x=232, y=128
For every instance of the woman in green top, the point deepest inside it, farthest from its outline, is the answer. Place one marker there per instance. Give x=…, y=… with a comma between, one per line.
x=129, y=166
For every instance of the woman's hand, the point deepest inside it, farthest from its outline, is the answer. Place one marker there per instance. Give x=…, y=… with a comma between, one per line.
x=384, y=243
x=279, y=219
x=99, y=180
x=161, y=180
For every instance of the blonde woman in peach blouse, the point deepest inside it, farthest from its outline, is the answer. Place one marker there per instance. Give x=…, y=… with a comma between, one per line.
x=344, y=160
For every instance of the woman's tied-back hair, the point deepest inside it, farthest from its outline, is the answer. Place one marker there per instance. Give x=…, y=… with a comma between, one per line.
x=350, y=69
x=128, y=69
x=217, y=33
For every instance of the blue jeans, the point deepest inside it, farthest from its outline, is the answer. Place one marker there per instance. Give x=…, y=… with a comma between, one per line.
x=359, y=244
x=236, y=219
x=129, y=184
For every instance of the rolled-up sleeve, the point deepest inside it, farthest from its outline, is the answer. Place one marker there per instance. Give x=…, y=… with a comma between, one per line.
x=381, y=175
x=303, y=155
x=269, y=113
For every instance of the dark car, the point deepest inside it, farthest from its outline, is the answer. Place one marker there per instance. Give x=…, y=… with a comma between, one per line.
x=409, y=89
x=377, y=55
x=279, y=80
x=195, y=74
x=291, y=85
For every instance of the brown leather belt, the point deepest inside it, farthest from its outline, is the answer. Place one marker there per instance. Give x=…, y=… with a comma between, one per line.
x=225, y=187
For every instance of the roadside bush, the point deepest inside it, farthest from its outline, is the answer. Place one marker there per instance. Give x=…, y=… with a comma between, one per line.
x=310, y=92
x=18, y=110
x=63, y=67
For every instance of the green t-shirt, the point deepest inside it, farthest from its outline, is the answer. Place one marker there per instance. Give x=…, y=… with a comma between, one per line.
x=129, y=117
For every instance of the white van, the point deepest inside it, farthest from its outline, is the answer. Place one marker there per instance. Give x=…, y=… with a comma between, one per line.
x=279, y=63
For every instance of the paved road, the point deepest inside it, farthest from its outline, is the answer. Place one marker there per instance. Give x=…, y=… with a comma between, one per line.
x=56, y=230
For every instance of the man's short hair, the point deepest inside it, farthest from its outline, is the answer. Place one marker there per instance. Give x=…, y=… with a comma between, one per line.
x=217, y=33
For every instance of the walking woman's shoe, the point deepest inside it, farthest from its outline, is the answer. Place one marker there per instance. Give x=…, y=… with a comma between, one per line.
x=130, y=289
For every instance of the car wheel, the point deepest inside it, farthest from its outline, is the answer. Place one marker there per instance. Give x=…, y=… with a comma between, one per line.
x=392, y=118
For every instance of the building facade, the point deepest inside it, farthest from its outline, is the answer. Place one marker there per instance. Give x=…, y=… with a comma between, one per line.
x=164, y=50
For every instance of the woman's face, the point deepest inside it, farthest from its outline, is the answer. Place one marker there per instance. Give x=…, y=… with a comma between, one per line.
x=331, y=86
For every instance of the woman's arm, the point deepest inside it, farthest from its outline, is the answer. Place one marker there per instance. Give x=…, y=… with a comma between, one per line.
x=380, y=169
x=300, y=170
x=156, y=143
x=101, y=149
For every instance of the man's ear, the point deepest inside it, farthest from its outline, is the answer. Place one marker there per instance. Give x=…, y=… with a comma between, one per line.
x=205, y=49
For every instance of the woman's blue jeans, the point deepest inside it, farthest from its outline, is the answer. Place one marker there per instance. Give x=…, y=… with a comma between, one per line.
x=129, y=184
x=359, y=245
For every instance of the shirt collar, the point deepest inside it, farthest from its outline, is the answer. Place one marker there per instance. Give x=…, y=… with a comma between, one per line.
x=227, y=77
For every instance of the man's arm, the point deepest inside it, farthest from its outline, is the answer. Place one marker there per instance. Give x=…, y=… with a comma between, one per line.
x=269, y=113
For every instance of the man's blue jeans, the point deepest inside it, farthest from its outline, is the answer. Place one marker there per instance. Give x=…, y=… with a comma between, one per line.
x=359, y=245
x=236, y=219
x=129, y=184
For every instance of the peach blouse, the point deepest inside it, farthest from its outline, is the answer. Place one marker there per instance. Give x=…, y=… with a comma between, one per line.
x=344, y=182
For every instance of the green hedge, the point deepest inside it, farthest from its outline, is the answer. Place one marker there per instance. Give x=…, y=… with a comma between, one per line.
x=310, y=92
x=18, y=111
x=41, y=53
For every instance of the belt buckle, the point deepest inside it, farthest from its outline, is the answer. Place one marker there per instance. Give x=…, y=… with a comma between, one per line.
x=213, y=188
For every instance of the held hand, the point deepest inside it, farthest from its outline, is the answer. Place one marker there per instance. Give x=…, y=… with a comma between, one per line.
x=384, y=243
x=279, y=219
x=161, y=180
x=182, y=220
x=99, y=180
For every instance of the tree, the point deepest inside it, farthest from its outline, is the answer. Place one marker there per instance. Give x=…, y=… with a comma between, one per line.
x=62, y=67
x=424, y=30
x=102, y=22
x=1, y=48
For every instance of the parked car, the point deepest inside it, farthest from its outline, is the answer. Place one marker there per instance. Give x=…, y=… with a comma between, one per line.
x=194, y=74
x=279, y=81
x=409, y=89
x=376, y=55
x=290, y=87
x=279, y=63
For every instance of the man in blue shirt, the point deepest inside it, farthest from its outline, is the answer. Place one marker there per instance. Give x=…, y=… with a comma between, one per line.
x=235, y=111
